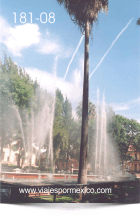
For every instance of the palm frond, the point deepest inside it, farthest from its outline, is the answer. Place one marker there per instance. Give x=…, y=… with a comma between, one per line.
x=82, y=10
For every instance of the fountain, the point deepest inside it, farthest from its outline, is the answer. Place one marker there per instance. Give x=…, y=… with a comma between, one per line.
x=37, y=137
x=31, y=131
x=15, y=108
x=104, y=150
x=42, y=126
x=101, y=138
x=50, y=151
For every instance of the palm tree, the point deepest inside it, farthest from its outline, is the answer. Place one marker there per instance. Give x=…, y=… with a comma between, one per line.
x=84, y=13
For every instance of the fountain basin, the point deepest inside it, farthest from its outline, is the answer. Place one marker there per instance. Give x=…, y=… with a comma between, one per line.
x=18, y=175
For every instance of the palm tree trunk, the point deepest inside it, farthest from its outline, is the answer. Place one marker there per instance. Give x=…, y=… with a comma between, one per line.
x=82, y=176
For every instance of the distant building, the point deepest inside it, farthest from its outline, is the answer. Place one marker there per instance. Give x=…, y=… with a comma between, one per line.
x=11, y=157
x=134, y=164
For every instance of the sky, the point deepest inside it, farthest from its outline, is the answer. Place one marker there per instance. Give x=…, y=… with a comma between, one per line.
x=52, y=50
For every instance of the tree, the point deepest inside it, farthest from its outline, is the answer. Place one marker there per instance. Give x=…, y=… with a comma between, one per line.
x=60, y=133
x=17, y=97
x=91, y=128
x=84, y=13
x=91, y=110
x=64, y=129
x=67, y=119
x=124, y=133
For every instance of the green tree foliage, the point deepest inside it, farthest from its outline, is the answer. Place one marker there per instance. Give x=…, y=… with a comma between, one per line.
x=65, y=141
x=91, y=110
x=17, y=86
x=59, y=132
x=17, y=93
x=91, y=126
x=124, y=133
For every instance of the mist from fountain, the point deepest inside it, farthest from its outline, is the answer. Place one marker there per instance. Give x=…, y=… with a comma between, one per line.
x=43, y=124
x=50, y=151
x=32, y=131
x=15, y=108
x=105, y=153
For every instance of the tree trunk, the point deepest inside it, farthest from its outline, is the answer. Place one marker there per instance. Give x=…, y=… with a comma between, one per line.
x=82, y=176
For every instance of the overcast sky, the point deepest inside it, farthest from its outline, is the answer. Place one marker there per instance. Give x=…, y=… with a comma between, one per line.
x=45, y=48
